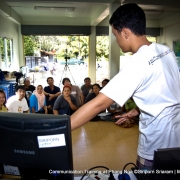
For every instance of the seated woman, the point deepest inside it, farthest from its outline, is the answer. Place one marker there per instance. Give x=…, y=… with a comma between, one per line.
x=65, y=103
x=37, y=101
x=3, y=107
x=95, y=91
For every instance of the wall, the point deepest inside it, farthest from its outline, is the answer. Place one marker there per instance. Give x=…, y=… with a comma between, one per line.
x=170, y=30
x=10, y=29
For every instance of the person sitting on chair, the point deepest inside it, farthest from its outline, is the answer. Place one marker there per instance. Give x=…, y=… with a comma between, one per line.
x=37, y=101
x=65, y=103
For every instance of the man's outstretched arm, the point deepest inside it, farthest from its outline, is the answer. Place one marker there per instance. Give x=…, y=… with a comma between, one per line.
x=90, y=110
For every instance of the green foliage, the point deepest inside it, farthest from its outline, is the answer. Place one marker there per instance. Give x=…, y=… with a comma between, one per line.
x=2, y=48
x=76, y=54
x=151, y=39
x=121, y=52
x=102, y=47
x=29, y=45
x=177, y=48
x=3, y=54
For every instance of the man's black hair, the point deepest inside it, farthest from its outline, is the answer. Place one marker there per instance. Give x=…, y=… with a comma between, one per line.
x=87, y=78
x=65, y=79
x=49, y=78
x=106, y=80
x=96, y=85
x=129, y=16
x=20, y=87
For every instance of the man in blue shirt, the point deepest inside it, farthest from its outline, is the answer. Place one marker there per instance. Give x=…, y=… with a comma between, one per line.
x=51, y=92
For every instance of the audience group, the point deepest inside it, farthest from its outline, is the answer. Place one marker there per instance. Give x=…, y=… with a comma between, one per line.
x=50, y=99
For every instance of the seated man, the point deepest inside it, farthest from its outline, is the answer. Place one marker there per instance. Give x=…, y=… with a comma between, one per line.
x=65, y=103
x=86, y=87
x=51, y=92
x=104, y=82
x=18, y=103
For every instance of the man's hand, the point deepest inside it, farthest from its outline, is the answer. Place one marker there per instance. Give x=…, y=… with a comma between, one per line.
x=127, y=116
x=51, y=96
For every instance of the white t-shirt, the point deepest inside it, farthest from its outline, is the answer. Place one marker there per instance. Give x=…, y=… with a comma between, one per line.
x=151, y=76
x=14, y=105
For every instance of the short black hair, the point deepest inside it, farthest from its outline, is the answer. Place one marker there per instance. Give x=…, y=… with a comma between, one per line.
x=96, y=85
x=87, y=78
x=20, y=87
x=65, y=79
x=49, y=78
x=129, y=16
x=106, y=80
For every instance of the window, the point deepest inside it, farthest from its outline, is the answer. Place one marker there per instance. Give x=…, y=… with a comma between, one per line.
x=5, y=52
x=102, y=58
x=176, y=47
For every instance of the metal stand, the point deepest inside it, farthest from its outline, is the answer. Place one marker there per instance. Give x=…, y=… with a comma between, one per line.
x=66, y=67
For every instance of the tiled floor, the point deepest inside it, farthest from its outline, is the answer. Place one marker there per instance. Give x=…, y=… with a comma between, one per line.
x=103, y=143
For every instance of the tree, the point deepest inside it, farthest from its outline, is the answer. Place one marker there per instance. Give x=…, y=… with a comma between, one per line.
x=102, y=47
x=177, y=48
x=29, y=46
x=2, y=48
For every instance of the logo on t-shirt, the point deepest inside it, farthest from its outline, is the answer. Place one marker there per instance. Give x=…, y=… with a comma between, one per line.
x=19, y=109
x=159, y=56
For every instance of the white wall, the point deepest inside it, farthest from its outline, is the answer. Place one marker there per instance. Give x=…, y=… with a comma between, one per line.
x=10, y=29
x=170, y=30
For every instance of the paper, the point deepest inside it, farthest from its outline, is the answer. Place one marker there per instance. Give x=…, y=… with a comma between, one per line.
x=51, y=141
x=104, y=114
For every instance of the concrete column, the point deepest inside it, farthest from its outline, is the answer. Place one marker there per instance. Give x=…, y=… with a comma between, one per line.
x=92, y=55
x=114, y=49
x=5, y=53
x=21, y=48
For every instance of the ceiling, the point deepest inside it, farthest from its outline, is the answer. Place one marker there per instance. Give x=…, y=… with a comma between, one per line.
x=86, y=12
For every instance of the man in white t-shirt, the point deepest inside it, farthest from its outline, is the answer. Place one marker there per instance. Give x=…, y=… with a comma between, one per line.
x=151, y=77
x=18, y=103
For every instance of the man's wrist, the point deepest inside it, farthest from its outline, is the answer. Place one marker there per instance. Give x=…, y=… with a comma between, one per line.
x=137, y=109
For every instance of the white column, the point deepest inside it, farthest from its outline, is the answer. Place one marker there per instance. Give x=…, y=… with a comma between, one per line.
x=92, y=55
x=5, y=53
x=21, y=48
x=114, y=49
